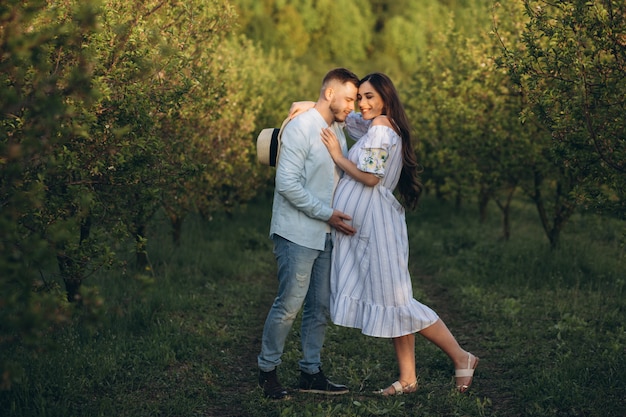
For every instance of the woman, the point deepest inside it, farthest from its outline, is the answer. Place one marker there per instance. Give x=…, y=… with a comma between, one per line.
x=370, y=282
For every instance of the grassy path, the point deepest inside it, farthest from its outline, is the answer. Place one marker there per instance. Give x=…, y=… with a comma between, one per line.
x=526, y=312
x=183, y=342
x=240, y=370
x=238, y=394
x=490, y=380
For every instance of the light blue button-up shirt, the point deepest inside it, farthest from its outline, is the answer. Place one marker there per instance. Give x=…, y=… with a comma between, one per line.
x=306, y=177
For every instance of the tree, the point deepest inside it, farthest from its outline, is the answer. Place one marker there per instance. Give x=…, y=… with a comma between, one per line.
x=465, y=114
x=46, y=82
x=105, y=112
x=317, y=35
x=570, y=67
x=155, y=56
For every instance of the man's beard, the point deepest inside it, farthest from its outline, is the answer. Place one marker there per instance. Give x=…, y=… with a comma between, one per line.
x=338, y=115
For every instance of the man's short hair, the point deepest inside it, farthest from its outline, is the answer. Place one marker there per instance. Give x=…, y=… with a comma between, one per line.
x=341, y=75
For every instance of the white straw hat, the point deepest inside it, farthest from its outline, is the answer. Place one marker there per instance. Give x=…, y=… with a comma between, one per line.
x=268, y=144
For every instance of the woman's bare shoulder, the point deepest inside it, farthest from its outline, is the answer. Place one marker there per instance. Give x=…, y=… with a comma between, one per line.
x=382, y=120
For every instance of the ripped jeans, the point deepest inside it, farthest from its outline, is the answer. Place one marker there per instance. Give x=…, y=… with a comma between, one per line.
x=303, y=279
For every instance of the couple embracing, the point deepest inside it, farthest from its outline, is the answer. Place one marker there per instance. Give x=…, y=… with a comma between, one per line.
x=340, y=236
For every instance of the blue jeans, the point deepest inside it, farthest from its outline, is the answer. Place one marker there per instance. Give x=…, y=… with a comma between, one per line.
x=303, y=278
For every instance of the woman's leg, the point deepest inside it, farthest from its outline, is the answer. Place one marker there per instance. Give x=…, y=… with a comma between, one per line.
x=440, y=335
x=405, y=353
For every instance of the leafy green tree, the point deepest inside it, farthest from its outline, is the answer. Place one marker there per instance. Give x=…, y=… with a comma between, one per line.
x=106, y=108
x=340, y=31
x=403, y=32
x=233, y=89
x=315, y=34
x=468, y=112
x=462, y=112
x=570, y=69
x=276, y=25
x=46, y=82
x=158, y=88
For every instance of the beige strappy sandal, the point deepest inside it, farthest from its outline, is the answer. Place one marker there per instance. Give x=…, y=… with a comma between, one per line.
x=467, y=372
x=398, y=389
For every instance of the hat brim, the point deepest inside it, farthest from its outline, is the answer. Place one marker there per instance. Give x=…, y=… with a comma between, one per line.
x=268, y=145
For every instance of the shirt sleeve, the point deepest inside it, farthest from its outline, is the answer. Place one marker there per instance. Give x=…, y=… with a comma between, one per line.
x=356, y=126
x=373, y=153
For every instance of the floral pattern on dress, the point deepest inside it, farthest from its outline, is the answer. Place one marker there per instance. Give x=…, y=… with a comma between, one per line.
x=373, y=160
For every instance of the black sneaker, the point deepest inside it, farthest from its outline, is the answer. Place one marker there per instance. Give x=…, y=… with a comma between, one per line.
x=271, y=387
x=319, y=384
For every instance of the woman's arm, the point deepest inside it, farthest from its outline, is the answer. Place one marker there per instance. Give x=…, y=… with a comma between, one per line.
x=298, y=107
x=331, y=142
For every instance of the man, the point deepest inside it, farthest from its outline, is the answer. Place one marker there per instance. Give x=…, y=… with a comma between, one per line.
x=302, y=218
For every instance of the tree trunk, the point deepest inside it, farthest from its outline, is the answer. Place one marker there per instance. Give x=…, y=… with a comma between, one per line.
x=458, y=199
x=563, y=209
x=506, y=223
x=505, y=208
x=554, y=237
x=70, y=279
x=177, y=227
x=483, y=201
x=141, y=252
x=176, y=221
x=71, y=273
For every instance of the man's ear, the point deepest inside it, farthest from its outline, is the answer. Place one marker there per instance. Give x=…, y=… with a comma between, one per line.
x=329, y=93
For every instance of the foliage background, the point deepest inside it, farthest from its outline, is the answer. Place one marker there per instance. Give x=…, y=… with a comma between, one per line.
x=115, y=114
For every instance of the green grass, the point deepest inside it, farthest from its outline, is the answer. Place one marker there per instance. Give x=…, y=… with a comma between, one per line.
x=181, y=339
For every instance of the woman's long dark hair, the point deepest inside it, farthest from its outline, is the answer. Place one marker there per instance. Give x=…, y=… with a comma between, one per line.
x=409, y=185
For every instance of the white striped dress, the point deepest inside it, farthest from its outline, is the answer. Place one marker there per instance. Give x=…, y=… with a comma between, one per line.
x=370, y=282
